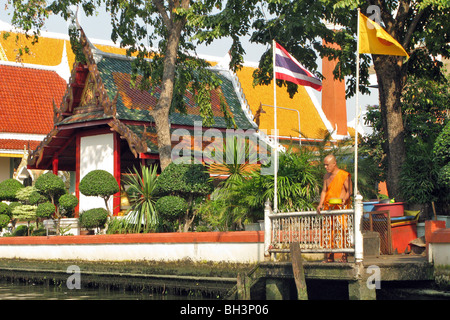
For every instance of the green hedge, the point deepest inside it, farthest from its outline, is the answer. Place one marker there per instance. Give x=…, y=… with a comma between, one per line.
x=45, y=210
x=93, y=218
x=98, y=183
x=171, y=206
x=8, y=189
x=5, y=209
x=184, y=179
x=68, y=202
x=4, y=220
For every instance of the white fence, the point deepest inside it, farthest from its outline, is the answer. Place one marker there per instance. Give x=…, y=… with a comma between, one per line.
x=329, y=231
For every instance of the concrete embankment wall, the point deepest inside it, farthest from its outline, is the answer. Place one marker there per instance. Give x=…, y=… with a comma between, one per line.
x=239, y=247
x=438, y=241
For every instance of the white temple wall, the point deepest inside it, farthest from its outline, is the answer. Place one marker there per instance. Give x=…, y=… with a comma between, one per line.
x=96, y=152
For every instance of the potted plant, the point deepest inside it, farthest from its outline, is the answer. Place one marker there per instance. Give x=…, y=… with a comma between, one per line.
x=93, y=218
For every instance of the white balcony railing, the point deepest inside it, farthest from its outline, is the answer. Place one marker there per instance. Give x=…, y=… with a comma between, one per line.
x=329, y=231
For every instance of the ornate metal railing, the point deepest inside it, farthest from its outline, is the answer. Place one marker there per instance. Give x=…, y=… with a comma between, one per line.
x=329, y=231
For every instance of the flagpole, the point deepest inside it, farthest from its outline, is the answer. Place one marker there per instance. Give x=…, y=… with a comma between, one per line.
x=356, y=108
x=358, y=205
x=275, y=174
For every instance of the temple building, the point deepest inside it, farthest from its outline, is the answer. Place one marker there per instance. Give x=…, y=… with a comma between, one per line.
x=92, y=118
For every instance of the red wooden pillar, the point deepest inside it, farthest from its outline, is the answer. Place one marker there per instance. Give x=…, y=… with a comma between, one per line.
x=77, y=173
x=116, y=197
x=55, y=163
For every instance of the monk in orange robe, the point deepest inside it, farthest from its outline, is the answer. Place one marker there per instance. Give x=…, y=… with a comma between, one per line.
x=336, y=184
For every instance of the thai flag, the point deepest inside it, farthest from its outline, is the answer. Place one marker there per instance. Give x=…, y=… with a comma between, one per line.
x=289, y=69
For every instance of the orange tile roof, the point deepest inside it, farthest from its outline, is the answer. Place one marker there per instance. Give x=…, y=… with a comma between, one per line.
x=48, y=51
x=13, y=144
x=311, y=124
x=26, y=99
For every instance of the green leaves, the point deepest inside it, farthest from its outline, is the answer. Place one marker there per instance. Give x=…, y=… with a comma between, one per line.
x=184, y=180
x=45, y=210
x=98, y=183
x=93, y=218
x=142, y=215
x=8, y=189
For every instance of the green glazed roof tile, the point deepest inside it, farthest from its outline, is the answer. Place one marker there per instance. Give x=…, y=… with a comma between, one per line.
x=134, y=104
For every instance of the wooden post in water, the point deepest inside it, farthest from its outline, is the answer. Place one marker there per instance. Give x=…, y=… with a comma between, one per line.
x=243, y=289
x=299, y=272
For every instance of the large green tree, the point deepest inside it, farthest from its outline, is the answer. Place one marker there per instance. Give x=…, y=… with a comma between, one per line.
x=158, y=30
x=420, y=26
x=301, y=26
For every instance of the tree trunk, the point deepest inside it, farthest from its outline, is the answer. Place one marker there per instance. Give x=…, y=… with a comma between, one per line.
x=162, y=108
x=390, y=82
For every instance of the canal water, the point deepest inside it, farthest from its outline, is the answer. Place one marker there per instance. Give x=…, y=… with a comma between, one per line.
x=26, y=291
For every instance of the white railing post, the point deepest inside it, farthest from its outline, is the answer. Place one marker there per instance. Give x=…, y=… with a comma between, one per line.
x=267, y=227
x=358, y=228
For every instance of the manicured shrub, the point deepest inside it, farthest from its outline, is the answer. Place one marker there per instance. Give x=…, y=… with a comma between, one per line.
x=93, y=218
x=441, y=152
x=20, y=231
x=24, y=212
x=5, y=209
x=99, y=183
x=23, y=194
x=188, y=181
x=50, y=185
x=8, y=189
x=441, y=147
x=36, y=198
x=68, y=202
x=184, y=180
x=13, y=205
x=45, y=210
x=171, y=207
x=4, y=220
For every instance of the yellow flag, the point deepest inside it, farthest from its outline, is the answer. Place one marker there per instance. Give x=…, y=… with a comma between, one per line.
x=374, y=39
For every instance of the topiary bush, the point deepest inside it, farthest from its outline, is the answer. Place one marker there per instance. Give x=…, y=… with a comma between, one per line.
x=8, y=189
x=36, y=198
x=51, y=186
x=13, y=205
x=5, y=209
x=68, y=202
x=441, y=147
x=184, y=180
x=4, y=221
x=99, y=183
x=20, y=231
x=188, y=181
x=23, y=194
x=93, y=218
x=171, y=208
x=45, y=210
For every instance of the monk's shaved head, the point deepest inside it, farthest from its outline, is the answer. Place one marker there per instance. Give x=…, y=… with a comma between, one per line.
x=330, y=158
x=330, y=163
